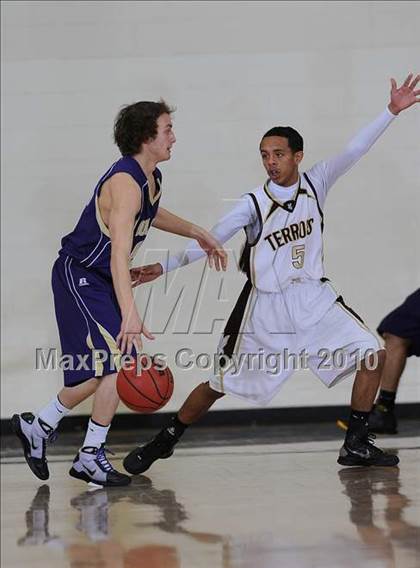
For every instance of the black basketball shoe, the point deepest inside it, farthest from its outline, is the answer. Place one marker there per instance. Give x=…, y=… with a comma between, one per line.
x=359, y=450
x=34, y=447
x=382, y=420
x=161, y=447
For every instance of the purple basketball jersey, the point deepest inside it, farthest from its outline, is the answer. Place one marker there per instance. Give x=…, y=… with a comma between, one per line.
x=89, y=243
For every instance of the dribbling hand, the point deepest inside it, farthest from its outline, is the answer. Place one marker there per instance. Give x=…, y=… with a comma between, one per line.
x=132, y=328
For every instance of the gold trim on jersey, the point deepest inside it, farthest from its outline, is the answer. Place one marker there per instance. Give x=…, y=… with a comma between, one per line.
x=221, y=377
x=158, y=191
x=252, y=270
x=99, y=219
x=362, y=325
x=112, y=345
x=281, y=203
x=108, y=338
x=134, y=251
x=273, y=208
x=244, y=320
x=342, y=375
x=99, y=366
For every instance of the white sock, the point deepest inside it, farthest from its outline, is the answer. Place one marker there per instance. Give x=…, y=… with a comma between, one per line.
x=49, y=417
x=95, y=435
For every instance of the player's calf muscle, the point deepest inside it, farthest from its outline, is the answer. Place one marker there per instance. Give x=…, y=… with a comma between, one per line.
x=198, y=403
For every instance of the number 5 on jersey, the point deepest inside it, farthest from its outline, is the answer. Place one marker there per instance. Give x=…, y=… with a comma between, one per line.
x=298, y=256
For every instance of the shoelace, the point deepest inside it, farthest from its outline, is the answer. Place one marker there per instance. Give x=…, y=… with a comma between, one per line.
x=52, y=438
x=103, y=460
x=370, y=438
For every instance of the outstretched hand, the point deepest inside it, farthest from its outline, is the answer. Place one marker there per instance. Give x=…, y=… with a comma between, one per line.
x=215, y=252
x=405, y=96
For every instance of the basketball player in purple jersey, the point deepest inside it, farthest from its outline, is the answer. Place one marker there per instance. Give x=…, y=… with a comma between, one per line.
x=92, y=287
x=287, y=303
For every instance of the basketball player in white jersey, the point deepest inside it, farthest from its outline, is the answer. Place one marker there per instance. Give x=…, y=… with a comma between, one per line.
x=287, y=303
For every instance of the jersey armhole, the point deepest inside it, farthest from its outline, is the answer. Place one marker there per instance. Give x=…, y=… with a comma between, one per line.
x=311, y=185
x=260, y=221
x=98, y=188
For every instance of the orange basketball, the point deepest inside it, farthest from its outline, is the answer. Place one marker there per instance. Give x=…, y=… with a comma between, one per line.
x=145, y=390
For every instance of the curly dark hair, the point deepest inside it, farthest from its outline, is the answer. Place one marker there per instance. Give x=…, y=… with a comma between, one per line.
x=137, y=123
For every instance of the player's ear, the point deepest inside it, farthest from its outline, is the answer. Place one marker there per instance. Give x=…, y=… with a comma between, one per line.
x=298, y=157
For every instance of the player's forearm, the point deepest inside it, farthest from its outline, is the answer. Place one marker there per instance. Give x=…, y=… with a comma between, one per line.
x=167, y=221
x=121, y=280
x=192, y=253
x=366, y=137
x=240, y=216
x=358, y=146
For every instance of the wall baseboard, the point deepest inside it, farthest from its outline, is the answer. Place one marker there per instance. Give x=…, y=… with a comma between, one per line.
x=242, y=417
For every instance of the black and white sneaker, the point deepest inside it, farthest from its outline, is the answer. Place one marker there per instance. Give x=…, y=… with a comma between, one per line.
x=359, y=450
x=161, y=447
x=92, y=465
x=34, y=446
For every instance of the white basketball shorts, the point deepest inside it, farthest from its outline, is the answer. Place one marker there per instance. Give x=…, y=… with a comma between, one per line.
x=271, y=334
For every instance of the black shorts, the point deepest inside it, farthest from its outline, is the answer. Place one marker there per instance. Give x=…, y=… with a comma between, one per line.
x=404, y=322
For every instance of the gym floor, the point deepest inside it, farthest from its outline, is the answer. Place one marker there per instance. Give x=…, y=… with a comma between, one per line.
x=249, y=497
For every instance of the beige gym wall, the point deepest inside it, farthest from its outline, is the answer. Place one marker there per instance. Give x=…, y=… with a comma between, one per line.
x=233, y=70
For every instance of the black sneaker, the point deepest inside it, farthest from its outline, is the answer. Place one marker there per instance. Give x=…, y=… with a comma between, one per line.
x=92, y=465
x=161, y=447
x=382, y=420
x=34, y=447
x=358, y=450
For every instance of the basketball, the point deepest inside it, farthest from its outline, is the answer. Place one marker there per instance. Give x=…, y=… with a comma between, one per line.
x=145, y=390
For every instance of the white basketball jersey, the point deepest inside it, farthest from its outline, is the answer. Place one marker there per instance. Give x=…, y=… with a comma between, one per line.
x=288, y=242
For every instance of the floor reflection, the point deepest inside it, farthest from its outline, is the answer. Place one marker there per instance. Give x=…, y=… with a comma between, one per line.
x=366, y=488
x=37, y=519
x=102, y=549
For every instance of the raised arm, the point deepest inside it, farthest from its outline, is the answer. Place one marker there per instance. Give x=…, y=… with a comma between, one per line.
x=401, y=98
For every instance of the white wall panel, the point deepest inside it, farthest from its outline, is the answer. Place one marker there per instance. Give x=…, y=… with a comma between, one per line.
x=233, y=69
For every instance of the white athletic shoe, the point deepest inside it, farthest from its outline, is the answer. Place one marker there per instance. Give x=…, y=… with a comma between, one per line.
x=92, y=465
x=34, y=446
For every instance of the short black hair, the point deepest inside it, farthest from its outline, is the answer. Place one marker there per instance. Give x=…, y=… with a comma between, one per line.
x=294, y=139
x=137, y=123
